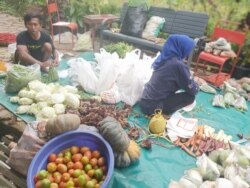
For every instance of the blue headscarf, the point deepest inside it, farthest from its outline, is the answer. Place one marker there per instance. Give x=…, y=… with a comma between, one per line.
x=179, y=46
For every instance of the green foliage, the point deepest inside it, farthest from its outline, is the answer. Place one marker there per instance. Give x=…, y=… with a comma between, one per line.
x=136, y=2
x=79, y=8
x=163, y=35
x=75, y=11
x=121, y=48
x=14, y=7
x=38, y=2
x=109, y=9
x=5, y=8
x=17, y=8
x=245, y=53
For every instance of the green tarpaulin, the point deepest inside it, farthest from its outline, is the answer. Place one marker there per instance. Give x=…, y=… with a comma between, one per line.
x=159, y=165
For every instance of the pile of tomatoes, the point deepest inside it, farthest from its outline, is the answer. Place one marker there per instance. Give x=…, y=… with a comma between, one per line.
x=73, y=167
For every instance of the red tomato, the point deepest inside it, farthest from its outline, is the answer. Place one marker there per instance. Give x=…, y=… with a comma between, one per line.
x=62, y=168
x=88, y=154
x=70, y=165
x=93, y=162
x=101, y=161
x=85, y=160
x=78, y=165
x=91, y=173
x=52, y=157
x=65, y=177
x=51, y=167
x=50, y=177
x=96, y=154
x=36, y=178
x=58, y=178
x=71, y=171
x=38, y=184
x=76, y=157
x=74, y=149
x=66, y=159
x=59, y=160
x=62, y=184
x=84, y=149
x=53, y=185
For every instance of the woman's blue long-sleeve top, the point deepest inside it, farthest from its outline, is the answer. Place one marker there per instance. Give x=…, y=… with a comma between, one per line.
x=170, y=77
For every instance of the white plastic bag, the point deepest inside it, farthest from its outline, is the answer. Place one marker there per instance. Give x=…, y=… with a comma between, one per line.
x=134, y=73
x=95, y=77
x=81, y=73
x=107, y=65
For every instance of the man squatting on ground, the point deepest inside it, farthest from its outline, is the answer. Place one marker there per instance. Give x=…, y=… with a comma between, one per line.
x=35, y=46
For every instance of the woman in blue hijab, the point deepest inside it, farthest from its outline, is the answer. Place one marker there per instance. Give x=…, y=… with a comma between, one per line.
x=169, y=76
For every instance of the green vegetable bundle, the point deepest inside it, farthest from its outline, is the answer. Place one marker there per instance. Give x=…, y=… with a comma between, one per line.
x=121, y=48
x=19, y=76
x=52, y=74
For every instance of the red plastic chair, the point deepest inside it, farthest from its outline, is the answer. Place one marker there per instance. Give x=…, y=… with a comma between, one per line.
x=53, y=11
x=231, y=36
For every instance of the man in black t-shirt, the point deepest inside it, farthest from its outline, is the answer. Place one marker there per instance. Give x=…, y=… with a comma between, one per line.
x=35, y=46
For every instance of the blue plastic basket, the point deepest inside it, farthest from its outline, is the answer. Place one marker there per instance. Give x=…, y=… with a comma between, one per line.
x=78, y=138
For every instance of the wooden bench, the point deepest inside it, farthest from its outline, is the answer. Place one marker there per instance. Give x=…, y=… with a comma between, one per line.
x=9, y=178
x=188, y=23
x=11, y=130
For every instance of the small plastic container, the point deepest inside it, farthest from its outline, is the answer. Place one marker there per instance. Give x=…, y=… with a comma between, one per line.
x=79, y=138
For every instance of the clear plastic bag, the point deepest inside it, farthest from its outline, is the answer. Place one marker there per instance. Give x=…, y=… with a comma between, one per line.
x=229, y=98
x=19, y=76
x=28, y=145
x=207, y=168
x=240, y=104
x=218, y=100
